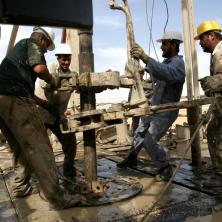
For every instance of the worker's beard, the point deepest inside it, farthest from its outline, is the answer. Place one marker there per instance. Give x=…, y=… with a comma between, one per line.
x=165, y=54
x=207, y=49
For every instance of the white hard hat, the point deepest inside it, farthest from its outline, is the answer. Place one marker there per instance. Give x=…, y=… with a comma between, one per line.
x=48, y=33
x=63, y=49
x=171, y=35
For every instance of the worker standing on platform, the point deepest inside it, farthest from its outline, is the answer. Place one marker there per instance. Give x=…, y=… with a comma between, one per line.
x=20, y=120
x=169, y=77
x=60, y=97
x=210, y=37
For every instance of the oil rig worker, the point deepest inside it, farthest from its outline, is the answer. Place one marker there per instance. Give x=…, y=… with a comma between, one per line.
x=21, y=123
x=169, y=77
x=59, y=98
x=210, y=38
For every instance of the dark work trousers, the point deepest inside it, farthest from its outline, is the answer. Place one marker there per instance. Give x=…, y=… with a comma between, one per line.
x=22, y=126
x=68, y=142
x=214, y=139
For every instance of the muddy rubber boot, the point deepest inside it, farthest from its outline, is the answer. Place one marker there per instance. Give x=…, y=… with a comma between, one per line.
x=164, y=173
x=68, y=201
x=24, y=192
x=69, y=171
x=130, y=161
x=69, y=174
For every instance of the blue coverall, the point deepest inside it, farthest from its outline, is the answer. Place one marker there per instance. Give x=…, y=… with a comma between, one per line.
x=169, y=77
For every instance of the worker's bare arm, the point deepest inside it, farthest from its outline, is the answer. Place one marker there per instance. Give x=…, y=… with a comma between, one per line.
x=43, y=73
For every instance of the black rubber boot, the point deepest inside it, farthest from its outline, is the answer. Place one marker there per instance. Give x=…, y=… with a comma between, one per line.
x=130, y=161
x=69, y=171
x=164, y=173
x=67, y=200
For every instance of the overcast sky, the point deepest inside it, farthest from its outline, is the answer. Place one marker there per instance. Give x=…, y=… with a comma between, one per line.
x=109, y=34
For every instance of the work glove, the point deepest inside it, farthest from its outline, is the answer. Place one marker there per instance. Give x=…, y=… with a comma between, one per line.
x=52, y=108
x=68, y=81
x=138, y=53
x=55, y=81
x=211, y=84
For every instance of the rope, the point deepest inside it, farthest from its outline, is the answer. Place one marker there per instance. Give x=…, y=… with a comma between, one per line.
x=159, y=197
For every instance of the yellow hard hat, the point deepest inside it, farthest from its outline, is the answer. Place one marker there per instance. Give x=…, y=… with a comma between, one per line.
x=206, y=26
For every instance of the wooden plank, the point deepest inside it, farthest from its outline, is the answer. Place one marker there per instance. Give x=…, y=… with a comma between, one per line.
x=84, y=128
x=169, y=106
x=193, y=113
x=109, y=116
x=118, y=149
x=12, y=38
x=113, y=115
x=106, y=115
x=110, y=146
x=85, y=114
